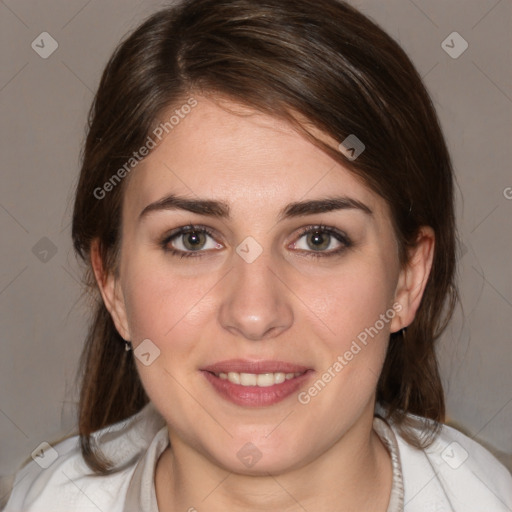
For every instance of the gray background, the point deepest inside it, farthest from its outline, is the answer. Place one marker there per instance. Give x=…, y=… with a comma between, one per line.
x=43, y=111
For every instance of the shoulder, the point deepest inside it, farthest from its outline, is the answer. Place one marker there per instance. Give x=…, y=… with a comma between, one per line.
x=58, y=479
x=454, y=473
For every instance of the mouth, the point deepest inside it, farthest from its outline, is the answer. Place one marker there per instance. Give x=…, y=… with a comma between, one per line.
x=256, y=383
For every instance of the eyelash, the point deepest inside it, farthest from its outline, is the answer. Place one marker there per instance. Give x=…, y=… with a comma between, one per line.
x=338, y=235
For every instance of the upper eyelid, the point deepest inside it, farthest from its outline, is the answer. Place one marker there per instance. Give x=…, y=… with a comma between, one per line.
x=322, y=227
x=189, y=227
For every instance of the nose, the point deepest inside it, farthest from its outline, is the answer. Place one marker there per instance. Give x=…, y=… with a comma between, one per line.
x=255, y=301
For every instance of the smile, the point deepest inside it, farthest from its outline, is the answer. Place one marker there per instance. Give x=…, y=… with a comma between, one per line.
x=256, y=383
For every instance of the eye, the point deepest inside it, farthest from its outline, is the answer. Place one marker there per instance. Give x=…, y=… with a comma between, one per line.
x=316, y=241
x=187, y=240
x=323, y=240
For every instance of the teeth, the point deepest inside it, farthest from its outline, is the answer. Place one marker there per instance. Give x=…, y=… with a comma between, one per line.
x=246, y=379
x=261, y=380
x=234, y=378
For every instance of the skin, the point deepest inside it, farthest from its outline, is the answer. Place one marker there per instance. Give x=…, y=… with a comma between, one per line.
x=285, y=305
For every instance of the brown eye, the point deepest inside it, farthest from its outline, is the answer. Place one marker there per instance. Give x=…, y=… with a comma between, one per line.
x=194, y=240
x=322, y=241
x=318, y=240
x=190, y=241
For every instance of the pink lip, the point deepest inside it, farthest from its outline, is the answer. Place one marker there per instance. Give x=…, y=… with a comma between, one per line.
x=244, y=366
x=254, y=396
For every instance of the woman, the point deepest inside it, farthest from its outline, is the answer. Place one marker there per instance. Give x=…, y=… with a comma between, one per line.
x=265, y=208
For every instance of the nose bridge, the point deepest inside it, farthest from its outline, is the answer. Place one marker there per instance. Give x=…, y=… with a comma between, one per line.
x=255, y=304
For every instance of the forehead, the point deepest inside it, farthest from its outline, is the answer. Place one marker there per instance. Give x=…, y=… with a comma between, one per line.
x=226, y=151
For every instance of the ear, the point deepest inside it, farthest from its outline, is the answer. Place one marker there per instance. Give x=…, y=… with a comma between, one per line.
x=110, y=291
x=413, y=278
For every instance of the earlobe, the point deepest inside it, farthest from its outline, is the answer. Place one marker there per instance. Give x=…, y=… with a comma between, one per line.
x=413, y=278
x=110, y=292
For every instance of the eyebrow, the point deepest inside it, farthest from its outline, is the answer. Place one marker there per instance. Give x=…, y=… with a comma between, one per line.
x=220, y=209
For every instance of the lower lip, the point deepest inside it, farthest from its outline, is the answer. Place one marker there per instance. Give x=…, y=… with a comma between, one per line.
x=255, y=396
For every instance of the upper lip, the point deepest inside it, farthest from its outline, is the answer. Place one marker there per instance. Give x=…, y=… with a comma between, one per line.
x=245, y=366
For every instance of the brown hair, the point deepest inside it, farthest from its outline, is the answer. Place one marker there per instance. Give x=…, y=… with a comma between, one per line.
x=321, y=61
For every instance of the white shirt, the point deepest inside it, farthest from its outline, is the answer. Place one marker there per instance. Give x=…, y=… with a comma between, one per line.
x=454, y=474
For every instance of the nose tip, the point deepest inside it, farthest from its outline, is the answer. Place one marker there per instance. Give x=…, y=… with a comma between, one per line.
x=254, y=329
x=255, y=304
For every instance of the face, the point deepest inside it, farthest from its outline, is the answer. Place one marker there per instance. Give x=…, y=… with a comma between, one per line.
x=265, y=309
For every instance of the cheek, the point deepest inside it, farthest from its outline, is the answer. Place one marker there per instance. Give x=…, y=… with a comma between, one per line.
x=165, y=309
x=352, y=317
x=351, y=322
x=350, y=302
x=163, y=306
x=147, y=300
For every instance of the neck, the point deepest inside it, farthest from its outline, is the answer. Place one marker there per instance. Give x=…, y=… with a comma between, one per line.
x=352, y=475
